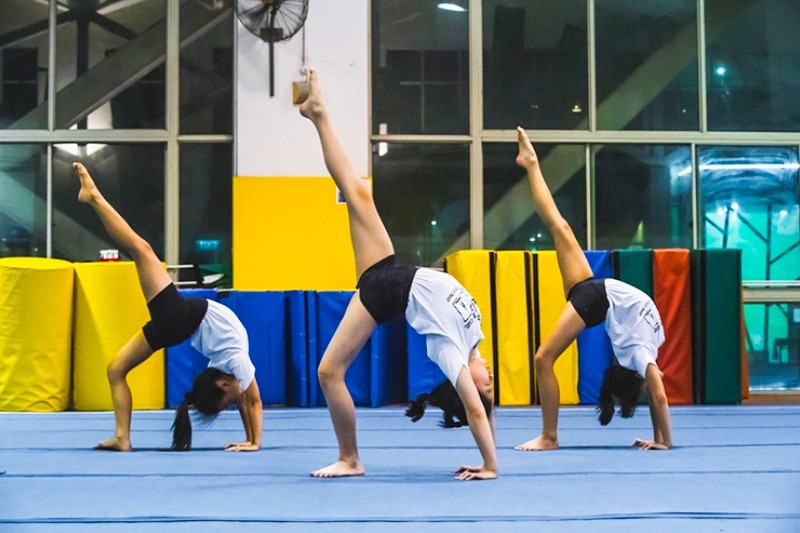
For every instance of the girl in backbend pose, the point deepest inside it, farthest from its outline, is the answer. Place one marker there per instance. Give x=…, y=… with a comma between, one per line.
x=433, y=302
x=630, y=317
x=214, y=330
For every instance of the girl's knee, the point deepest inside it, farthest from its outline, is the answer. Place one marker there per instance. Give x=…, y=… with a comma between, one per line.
x=115, y=370
x=328, y=372
x=543, y=360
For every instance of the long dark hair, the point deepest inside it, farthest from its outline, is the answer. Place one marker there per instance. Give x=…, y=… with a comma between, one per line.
x=445, y=397
x=622, y=385
x=206, y=397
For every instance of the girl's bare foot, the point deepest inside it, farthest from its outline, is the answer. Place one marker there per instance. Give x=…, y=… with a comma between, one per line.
x=114, y=444
x=539, y=444
x=314, y=106
x=527, y=155
x=89, y=191
x=340, y=469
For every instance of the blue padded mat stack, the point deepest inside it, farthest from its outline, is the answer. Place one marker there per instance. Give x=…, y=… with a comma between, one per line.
x=182, y=361
x=595, y=353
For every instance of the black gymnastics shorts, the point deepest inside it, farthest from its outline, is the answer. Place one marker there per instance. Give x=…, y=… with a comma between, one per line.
x=173, y=318
x=384, y=289
x=589, y=299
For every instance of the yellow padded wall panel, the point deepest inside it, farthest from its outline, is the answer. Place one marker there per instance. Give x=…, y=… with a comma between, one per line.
x=290, y=234
x=35, y=333
x=513, y=335
x=471, y=269
x=551, y=304
x=109, y=309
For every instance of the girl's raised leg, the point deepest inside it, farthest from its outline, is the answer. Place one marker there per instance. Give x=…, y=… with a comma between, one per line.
x=371, y=241
x=571, y=261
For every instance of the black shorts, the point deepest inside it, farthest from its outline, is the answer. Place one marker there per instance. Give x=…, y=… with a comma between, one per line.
x=384, y=288
x=173, y=318
x=589, y=299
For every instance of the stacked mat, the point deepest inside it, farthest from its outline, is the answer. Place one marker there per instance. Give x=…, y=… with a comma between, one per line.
x=60, y=319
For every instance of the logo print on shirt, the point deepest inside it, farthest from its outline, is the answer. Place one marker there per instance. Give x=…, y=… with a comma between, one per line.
x=465, y=306
x=649, y=316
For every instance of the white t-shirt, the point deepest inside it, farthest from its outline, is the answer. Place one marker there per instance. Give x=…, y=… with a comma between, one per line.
x=442, y=310
x=222, y=338
x=633, y=325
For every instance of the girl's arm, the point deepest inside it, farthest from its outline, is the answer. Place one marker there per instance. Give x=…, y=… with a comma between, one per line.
x=659, y=412
x=481, y=428
x=251, y=411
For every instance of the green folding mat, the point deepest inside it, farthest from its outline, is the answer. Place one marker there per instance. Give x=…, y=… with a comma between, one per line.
x=634, y=267
x=717, y=322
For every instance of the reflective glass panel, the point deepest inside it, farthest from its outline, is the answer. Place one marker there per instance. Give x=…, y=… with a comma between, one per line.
x=206, y=99
x=206, y=207
x=752, y=67
x=773, y=345
x=110, y=65
x=420, y=68
x=23, y=64
x=130, y=177
x=535, y=68
x=749, y=200
x=422, y=194
x=23, y=200
x=646, y=65
x=643, y=196
x=509, y=219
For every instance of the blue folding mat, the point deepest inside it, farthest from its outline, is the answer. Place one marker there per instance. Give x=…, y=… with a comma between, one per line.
x=733, y=469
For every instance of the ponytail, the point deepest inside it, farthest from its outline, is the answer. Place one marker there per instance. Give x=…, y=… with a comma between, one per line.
x=446, y=398
x=205, y=397
x=182, y=426
x=605, y=405
x=416, y=409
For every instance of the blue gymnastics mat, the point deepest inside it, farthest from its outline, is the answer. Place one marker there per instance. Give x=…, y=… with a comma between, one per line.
x=733, y=468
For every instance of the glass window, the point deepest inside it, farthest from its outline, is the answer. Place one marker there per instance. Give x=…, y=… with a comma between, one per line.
x=130, y=177
x=206, y=207
x=23, y=64
x=23, y=200
x=643, y=196
x=509, y=219
x=749, y=200
x=206, y=91
x=646, y=55
x=773, y=345
x=752, y=67
x=422, y=194
x=110, y=66
x=535, y=64
x=420, y=68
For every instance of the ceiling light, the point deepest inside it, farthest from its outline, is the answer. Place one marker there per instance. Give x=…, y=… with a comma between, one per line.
x=451, y=6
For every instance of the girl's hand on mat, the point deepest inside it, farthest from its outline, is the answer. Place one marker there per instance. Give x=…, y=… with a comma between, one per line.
x=241, y=447
x=475, y=472
x=649, y=445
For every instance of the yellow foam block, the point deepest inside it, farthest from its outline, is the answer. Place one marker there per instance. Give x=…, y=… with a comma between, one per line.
x=35, y=333
x=109, y=310
x=291, y=234
x=513, y=334
x=549, y=286
x=471, y=269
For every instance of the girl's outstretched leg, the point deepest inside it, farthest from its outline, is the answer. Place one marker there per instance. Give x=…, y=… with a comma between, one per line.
x=152, y=275
x=371, y=241
x=572, y=262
